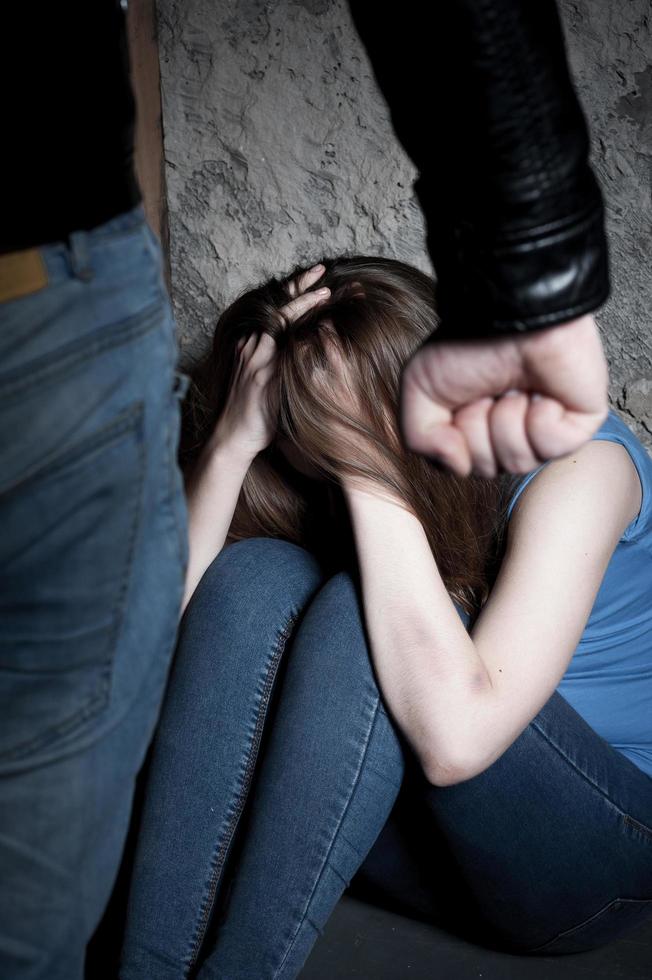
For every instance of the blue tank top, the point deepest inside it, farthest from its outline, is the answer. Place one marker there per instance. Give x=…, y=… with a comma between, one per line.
x=609, y=679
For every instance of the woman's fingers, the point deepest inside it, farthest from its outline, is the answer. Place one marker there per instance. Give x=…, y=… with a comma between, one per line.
x=264, y=351
x=301, y=296
x=310, y=277
x=297, y=307
x=261, y=346
x=244, y=348
x=259, y=349
x=305, y=280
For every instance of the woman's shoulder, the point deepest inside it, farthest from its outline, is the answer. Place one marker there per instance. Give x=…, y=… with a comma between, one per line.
x=633, y=459
x=615, y=429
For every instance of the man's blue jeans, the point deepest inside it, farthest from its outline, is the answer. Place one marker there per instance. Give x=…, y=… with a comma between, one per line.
x=93, y=554
x=277, y=780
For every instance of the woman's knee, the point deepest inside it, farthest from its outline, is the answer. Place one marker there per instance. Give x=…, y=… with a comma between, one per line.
x=336, y=618
x=259, y=571
x=340, y=593
x=244, y=609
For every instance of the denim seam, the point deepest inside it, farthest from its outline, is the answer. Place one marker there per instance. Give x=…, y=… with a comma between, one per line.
x=43, y=369
x=87, y=742
x=626, y=816
x=128, y=221
x=219, y=857
x=131, y=228
x=325, y=864
x=383, y=776
x=641, y=827
x=129, y=423
x=350, y=843
x=337, y=875
x=317, y=928
x=542, y=947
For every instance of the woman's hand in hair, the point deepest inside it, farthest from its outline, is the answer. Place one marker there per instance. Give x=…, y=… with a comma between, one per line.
x=248, y=422
x=505, y=404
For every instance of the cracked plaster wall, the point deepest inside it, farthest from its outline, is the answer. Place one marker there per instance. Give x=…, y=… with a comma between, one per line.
x=278, y=149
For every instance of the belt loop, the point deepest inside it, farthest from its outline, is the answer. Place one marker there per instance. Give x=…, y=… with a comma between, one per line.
x=79, y=254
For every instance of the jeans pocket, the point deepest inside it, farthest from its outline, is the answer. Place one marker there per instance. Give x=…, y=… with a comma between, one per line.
x=607, y=924
x=69, y=531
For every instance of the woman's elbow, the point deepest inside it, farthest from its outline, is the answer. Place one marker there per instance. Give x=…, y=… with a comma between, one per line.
x=455, y=767
x=445, y=774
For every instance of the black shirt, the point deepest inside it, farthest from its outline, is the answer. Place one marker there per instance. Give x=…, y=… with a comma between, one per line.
x=68, y=120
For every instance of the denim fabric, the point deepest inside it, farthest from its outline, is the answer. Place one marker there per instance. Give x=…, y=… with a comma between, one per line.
x=93, y=554
x=548, y=851
x=277, y=780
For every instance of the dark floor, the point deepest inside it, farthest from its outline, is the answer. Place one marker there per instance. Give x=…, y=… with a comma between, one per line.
x=364, y=941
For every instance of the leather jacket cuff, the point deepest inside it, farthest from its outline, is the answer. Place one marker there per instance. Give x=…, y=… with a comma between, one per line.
x=493, y=283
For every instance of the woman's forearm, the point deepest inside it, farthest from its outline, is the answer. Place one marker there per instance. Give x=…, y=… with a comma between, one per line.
x=212, y=494
x=431, y=675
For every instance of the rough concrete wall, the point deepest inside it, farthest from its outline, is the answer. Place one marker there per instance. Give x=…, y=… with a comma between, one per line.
x=610, y=53
x=279, y=149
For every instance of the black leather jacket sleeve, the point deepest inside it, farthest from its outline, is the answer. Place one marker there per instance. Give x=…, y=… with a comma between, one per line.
x=480, y=96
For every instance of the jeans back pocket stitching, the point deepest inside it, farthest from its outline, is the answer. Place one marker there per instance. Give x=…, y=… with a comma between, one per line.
x=129, y=421
x=44, y=370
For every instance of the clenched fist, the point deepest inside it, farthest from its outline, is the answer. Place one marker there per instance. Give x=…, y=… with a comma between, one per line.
x=509, y=403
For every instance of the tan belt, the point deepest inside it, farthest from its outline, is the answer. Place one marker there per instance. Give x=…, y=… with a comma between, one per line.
x=22, y=273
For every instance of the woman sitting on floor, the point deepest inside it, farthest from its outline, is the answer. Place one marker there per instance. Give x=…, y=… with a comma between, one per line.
x=434, y=689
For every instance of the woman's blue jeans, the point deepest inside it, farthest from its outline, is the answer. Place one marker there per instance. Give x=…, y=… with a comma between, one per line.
x=93, y=554
x=278, y=780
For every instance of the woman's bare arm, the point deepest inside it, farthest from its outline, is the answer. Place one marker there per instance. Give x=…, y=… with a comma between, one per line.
x=246, y=426
x=212, y=494
x=462, y=698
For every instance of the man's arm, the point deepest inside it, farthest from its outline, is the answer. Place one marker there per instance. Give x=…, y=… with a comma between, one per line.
x=482, y=100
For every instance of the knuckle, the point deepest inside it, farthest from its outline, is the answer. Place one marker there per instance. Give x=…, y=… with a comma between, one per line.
x=486, y=467
x=517, y=463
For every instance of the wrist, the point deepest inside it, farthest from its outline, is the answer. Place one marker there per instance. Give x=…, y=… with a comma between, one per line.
x=362, y=489
x=218, y=454
x=352, y=486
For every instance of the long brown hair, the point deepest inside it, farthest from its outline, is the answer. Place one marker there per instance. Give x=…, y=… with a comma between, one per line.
x=381, y=311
